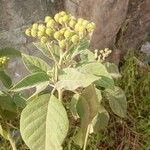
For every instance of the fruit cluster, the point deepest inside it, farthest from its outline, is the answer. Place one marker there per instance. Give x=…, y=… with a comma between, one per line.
x=3, y=61
x=63, y=28
x=101, y=55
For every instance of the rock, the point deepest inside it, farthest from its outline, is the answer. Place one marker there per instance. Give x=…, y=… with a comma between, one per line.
x=107, y=14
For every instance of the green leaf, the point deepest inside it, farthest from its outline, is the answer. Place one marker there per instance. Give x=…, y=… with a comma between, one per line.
x=98, y=69
x=43, y=48
x=87, y=56
x=44, y=123
x=71, y=79
x=35, y=64
x=31, y=81
x=117, y=101
x=5, y=79
x=10, y=52
x=87, y=108
x=101, y=120
x=112, y=69
x=6, y=103
x=19, y=101
x=3, y=133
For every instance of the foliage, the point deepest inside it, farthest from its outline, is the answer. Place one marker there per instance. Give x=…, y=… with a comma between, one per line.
x=44, y=122
x=10, y=103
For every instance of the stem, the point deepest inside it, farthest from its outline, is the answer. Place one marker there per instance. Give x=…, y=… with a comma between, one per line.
x=12, y=142
x=86, y=137
x=60, y=94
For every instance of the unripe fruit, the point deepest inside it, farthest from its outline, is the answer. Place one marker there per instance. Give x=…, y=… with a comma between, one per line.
x=40, y=33
x=35, y=26
x=66, y=18
x=62, y=13
x=57, y=35
x=49, y=31
x=28, y=32
x=85, y=23
x=33, y=32
x=80, y=21
x=72, y=23
x=44, y=39
x=77, y=26
x=75, y=39
x=62, y=31
x=90, y=27
x=51, y=23
x=56, y=17
x=41, y=28
x=68, y=33
x=47, y=18
x=81, y=29
x=62, y=44
x=60, y=20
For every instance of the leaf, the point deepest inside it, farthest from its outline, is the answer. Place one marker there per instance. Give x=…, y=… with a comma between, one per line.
x=5, y=79
x=6, y=103
x=43, y=48
x=87, y=56
x=3, y=133
x=71, y=79
x=35, y=64
x=44, y=123
x=31, y=81
x=87, y=109
x=98, y=69
x=84, y=44
x=19, y=101
x=101, y=120
x=10, y=52
x=112, y=69
x=117, y=101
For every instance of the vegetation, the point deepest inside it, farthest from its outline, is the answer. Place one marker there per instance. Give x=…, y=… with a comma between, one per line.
x=77, y=102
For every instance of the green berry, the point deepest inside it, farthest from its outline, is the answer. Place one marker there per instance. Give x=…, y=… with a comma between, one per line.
x=60, y=20
x=81, y=29
x=40, y=33
x=28, y=32
x=85, y=23
x=44, y=39
x=56, y=17
x=41, y=27
x=62, y=44
x=33, y=32
x=91, y=27
x=75, y=39
x=49, y=31
x=62, y=31
x=77, y=26
x=65, y=18
x=47, y=18
x=35, y=26
x=62, y=13
x=68, y=33
x=72, y=23
x=80, y=21
x=57, y=35
x=51, y=23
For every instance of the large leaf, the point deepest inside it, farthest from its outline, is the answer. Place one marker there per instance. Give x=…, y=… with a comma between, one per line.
x=117, y=101
x=44, y=123
x=31, y=81
x=35, y=64
x=71, y=79
x=19, y=101
x=98, y=69
x=10, y=52
x=86, y=108
x=5, y=79
x=112, y=69
x=101, y=120
x=7, y=103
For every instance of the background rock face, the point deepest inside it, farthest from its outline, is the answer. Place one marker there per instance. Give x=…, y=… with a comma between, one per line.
x=107, y=14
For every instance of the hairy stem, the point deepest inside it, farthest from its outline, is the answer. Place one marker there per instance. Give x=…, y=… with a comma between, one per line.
x=12, y=142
